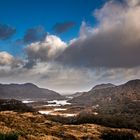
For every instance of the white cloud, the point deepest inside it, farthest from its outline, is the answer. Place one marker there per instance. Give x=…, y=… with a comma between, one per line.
x=66, y=79
x=7, y=59
x=85, y=30
x=108, y=52
x=133, y=3
x=47, y=49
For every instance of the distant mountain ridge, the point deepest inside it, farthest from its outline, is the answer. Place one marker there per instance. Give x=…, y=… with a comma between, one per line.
x=113, y=95
x=101, y=86
x=27, y=91
x=77, y=94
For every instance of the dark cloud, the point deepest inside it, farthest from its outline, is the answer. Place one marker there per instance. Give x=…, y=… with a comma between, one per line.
x=63, y=27
x=6, y=31
x=35, y=34
x=114, y=43
x=102, y=50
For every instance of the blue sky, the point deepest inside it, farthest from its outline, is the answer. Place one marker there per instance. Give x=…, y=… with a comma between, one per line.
x=35, y=35
x=25, y=14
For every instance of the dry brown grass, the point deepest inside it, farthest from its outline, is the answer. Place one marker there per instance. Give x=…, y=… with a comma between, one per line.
x=31, y=126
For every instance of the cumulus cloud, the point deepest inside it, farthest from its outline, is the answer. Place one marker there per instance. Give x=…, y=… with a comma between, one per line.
x=63, y=27
x=35, y=34
x=66, y=79
x=7, y=59
x=45, y=50
x=6, y=31
x=132, y=2
x=108, y=52
x=113, y=43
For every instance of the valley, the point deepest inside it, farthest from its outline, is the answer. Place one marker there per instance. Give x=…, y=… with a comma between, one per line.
x=69, y=69
x=106, y=108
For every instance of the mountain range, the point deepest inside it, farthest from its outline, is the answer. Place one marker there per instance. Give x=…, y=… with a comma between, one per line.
x=27, y=91
x=123, y=97
x=103, y=95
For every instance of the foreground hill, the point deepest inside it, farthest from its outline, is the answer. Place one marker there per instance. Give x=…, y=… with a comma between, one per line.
x=27, y=91
x=125, y=97
x=31, y=126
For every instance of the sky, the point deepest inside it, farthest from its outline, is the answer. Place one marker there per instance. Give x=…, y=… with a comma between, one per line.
x=69, y=45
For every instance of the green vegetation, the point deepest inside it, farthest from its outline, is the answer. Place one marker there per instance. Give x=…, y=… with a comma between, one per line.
x=117, y=135
x=115, y=121
x=14, y=105
x=9, y=136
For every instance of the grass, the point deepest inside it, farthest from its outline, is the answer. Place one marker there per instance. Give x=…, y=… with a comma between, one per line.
x=31, y=126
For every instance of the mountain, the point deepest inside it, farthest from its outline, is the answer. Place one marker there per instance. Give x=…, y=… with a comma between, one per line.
x=102, y=86
x=27, y=91
x=124, y=97
x=77, y=94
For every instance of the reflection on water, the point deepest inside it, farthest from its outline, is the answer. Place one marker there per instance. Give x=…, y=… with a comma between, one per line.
x=27, y=101
x=50, y=103
x=53, y=112
x=45, y=112
x=58, y=103
x=60, y=109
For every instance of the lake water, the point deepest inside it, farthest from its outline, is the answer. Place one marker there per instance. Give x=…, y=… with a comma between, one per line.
x=60, y=109
x=53, y=112
x=58, y=103
x=27, y=101
x=50, y=103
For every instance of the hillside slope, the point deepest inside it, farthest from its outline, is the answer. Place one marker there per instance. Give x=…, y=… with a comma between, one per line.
x=27, y=91
x=123, y=97
x=31, y=126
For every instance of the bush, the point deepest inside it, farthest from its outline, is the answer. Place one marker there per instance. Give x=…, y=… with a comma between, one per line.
x=9, y=136
x=115, y=121
x=117, y=135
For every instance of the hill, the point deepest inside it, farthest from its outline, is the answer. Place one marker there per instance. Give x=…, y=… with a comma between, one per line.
x=102, y=86
x=27, y=91
x=122, y=98
x=29, y=126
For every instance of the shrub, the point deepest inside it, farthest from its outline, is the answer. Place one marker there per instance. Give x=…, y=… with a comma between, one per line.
x=115, y=121
x=9, y=136
x=117, y=135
